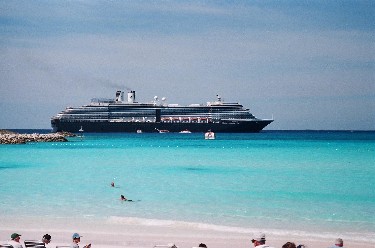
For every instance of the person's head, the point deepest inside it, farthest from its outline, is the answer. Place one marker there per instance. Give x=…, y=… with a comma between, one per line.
x=259, y=239
x=76, y=238
x=16, y=237
x=202, y=245
x=339, y=242
x=289, y=245
x=46, y=238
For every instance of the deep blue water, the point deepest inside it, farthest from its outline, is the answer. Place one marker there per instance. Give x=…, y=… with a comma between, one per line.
x=295, y=180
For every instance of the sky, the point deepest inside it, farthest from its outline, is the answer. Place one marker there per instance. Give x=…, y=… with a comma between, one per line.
x=307, y=64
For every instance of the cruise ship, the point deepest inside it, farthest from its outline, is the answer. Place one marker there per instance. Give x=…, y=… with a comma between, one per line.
x=120, y=115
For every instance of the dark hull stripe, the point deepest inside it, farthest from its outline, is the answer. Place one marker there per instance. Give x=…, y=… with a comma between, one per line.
x=239, y=127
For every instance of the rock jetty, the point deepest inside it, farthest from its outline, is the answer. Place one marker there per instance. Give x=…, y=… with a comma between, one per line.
x=8, y=137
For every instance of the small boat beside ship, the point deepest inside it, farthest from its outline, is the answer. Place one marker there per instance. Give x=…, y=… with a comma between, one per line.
x=162, y=131
x=120, y=115
x=185, y=131
x=209, y=135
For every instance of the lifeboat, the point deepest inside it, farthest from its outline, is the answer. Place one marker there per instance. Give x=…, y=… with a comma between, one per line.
x=209, y=135
x=185, y=131
x=162, y=130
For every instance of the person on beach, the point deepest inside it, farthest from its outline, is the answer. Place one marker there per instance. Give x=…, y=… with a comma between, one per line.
x=338, y=243
x=15, y=240
x=46, y=240
x=289, y=245
x=76, y=240
x=260, y=241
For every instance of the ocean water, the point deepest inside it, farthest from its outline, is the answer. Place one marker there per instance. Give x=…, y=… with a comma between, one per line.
x=304, y=181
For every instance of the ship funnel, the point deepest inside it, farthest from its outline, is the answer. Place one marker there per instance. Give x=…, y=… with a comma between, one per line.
x=131, y=96
x=118, y=96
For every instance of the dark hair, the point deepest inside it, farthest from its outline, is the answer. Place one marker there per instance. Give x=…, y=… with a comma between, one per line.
x=47, y=237
x=289, y=245
x=202, y=245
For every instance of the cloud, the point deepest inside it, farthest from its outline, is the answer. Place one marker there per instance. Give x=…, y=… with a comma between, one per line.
x=275, y=68
x=266, y=59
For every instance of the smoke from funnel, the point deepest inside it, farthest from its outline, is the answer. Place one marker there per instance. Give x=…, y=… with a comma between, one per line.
x=117, y=86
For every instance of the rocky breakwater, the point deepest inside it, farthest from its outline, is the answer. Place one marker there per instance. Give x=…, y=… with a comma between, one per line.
x=7, y=137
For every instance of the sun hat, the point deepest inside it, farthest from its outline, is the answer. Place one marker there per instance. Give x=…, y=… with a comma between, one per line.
x=76, y=236
x=15, y=235
x=260, y=237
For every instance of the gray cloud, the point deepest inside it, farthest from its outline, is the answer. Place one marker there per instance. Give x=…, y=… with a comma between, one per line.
x=302, y=77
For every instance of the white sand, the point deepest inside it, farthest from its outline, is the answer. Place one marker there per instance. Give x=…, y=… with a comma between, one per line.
x=110, y=234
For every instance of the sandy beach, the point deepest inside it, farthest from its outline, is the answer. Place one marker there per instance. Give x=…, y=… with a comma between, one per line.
x=134, y=234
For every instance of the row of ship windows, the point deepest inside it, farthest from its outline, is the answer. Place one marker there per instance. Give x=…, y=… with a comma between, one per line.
x=137, y=120
x=153, y=111
x=141, y=114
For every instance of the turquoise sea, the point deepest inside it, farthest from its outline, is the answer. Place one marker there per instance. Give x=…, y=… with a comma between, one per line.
x=305, y=181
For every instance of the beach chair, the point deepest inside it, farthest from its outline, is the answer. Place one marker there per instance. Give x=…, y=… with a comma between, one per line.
x=166, y=246
x=62, y=246
x=34, y=243
x=6, y=246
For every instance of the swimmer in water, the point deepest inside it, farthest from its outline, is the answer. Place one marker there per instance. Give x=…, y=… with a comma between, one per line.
x=123, y=198
x=112, y=184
